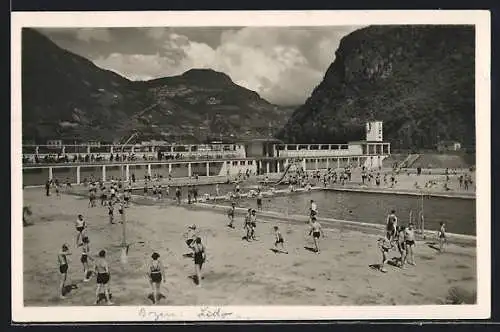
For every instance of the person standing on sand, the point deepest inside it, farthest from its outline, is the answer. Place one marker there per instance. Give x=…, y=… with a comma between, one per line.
x=178, y=195
x=47, y=188
x=230, y=214
x=155, y=274
x=247, y=224
x=217, y=190
x=259, y=200
x=279, y=240
x=63, y=268
x=253, y=224
x=313, y=209
x=199, y=258
x=191, y=235
x=385, y=245
x=401, y=243
x=80, y=225
x=85, y=258
x=316, y=231
x=410, y=243
x=391, y=225
x=441, y=236
x=103, y=276
x=111, y=208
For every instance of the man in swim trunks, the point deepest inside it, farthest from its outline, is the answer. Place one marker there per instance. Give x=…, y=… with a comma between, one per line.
x=80, y=225
x=63, y=268
x=103, y=277
x=316, y=231
x=155, y=274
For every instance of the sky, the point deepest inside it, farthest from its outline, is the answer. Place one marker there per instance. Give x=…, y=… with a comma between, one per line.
x=282, y=64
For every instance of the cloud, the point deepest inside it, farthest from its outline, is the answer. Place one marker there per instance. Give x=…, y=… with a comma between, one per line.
x=88, y=34
x=282, y=64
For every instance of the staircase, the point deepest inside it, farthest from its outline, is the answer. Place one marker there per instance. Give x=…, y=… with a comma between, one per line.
x=409, y=161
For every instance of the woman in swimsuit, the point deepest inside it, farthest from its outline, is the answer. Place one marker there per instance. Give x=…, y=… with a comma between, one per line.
x=316, y=232
x=80, y=226
x=85, y=258
x=199, y=258
x=441, y=236
x=103, y=276
x=63, y=268
x=279, y=240
x=410, y=244
x=155, y=275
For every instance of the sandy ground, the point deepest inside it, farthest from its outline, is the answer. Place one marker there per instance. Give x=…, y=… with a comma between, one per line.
x=236, y=272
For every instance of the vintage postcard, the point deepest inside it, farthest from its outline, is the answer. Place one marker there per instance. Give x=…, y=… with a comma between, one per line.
x=271, y=165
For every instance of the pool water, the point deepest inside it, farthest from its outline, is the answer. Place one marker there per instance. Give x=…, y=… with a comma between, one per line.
x=458, y=214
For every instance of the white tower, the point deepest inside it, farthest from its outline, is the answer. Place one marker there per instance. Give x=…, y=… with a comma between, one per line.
x=374, y=132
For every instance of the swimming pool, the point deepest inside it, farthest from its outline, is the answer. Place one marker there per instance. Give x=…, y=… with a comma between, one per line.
x=458, y=214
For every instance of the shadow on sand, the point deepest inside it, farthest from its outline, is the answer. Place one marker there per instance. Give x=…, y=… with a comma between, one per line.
x=311, y=249
x=160, y=296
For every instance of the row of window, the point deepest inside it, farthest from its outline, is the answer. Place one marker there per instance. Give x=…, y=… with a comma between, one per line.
x=241, y=163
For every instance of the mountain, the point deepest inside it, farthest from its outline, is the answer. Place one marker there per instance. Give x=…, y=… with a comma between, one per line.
x=419, y=80
x=66, y=96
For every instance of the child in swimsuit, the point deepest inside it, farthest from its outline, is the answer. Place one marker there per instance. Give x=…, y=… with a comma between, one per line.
x=253, y=224
x=442, y=236
x=316, y=232
x=410, y=243
x=103, y=276
x=199, y=258
x=191, y=235
x=246, y=224
x=279, y=240
x=155, y=275
x=63, y=268
x=80, y=226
